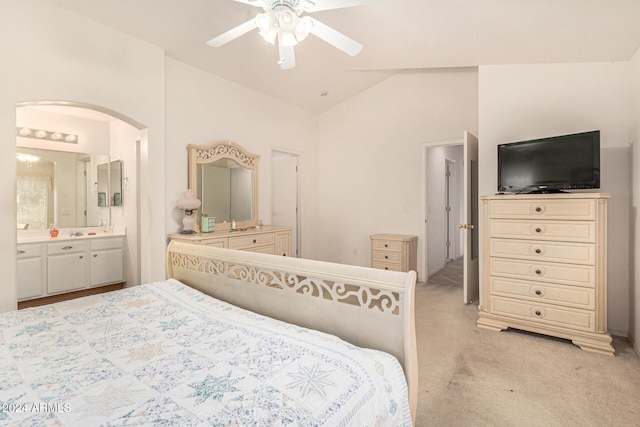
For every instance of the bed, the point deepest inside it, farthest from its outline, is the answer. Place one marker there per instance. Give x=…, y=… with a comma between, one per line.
x=230, y=338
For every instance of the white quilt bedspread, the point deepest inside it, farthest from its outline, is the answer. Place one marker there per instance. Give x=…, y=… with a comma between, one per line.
x=166, y=354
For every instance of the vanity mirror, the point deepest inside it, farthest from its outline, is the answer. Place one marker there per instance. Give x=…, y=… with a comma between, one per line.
x=60, y=188
x=224, y=176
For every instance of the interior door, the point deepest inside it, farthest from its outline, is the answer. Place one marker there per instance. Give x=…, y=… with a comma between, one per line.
x=284, y=194
x=470, y=220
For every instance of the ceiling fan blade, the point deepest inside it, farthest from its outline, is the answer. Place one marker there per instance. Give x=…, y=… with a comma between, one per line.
x=318, y=5
x=233, y=33
x=287, y=57
x=335, y=38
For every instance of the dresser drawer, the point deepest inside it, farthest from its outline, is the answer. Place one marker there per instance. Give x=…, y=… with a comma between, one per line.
x=386, y=245
x=387, y=256
x=246, y=242
x=575, y=210
x=546, y=314
x=568, y=231
x=269, y=249
x=568, y=296
x=577, y=253
x=566, y=274
x=218, y=243
x=387, y=265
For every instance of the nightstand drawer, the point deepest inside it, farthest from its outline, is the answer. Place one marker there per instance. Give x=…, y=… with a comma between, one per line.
x=545, y=314
x=575, y=210
x=566, y=274
x=387, y=265
x=386, y=245
x=569, y=296
x=386, y=256
x=567, y=231
x=577, y=253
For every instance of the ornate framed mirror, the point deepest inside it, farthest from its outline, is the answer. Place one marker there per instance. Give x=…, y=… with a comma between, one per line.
x=224, y=176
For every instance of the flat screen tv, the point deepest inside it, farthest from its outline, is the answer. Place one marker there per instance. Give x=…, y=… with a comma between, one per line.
x=546, y=165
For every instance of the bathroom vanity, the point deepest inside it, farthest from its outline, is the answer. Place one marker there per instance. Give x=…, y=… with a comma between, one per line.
x=73, y=264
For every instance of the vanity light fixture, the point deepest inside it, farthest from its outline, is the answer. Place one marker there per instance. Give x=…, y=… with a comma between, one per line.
x=48, y=135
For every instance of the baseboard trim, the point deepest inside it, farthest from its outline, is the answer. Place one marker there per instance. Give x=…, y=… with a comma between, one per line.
x=69, y=295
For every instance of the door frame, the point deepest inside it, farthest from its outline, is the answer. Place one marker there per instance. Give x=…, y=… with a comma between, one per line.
x=425, y=149
x=471, y=277
x=298, y=225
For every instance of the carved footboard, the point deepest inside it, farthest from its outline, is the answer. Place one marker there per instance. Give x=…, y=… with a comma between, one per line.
x=367, y=307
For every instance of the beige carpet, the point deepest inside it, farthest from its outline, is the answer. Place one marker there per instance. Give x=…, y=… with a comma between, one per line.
x=473, y=377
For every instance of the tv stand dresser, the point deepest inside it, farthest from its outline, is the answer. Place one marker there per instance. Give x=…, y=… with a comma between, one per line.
x=545, y=266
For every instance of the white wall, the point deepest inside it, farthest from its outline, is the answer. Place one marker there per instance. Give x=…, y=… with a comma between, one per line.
x=519, y=102
x=371, y=158
x=123, y=146
x=202, y=108
x=52, y=54
x=634, y=296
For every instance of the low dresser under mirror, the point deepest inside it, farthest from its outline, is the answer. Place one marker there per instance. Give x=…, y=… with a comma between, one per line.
x=224, y=177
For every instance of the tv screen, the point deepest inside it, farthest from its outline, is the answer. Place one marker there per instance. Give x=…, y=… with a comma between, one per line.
x=550, y=164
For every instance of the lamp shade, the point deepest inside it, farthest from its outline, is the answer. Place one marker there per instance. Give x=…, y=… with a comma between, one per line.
x=188, y=202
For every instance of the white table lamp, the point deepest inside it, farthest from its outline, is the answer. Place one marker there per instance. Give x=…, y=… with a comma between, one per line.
x=188, y=203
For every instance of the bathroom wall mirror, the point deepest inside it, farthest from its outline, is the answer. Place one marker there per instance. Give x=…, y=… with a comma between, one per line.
x=224, y=176
x=115, y=182
x=58, y=187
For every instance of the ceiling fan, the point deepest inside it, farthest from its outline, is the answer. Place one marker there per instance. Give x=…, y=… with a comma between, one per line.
x=282, y=20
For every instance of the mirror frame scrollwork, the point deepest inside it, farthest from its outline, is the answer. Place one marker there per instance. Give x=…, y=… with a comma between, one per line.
x=205, y=154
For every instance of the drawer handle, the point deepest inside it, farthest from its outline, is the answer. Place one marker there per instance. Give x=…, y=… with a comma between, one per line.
x=538, y=271
x=538, y=230
x=538, y=251
x=95, y=255
x=538, y=209
x=386, y=257
x=20, y=252
x=386, y=245
x=538, y=292
x=66, y=248
x=254, y=240
x=538, y=313
x=386, y=268
x=81, y=256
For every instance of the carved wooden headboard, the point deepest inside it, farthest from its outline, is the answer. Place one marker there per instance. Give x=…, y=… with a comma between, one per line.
x=367, y=307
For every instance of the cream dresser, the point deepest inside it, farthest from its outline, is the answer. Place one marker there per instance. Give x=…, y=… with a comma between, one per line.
x=267, y=239
x=397, y=252
x=545, y=266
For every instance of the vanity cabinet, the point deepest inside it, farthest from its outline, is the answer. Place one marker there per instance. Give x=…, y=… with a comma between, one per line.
x=58, y=267
x=67, y=266
x=545, y=266
x=30, y=271
x=107, y=261
x=267, y=239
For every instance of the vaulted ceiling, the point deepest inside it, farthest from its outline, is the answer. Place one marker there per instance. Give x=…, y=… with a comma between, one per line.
x=396, y=34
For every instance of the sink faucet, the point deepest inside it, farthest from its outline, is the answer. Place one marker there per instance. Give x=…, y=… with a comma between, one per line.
x=76, y=233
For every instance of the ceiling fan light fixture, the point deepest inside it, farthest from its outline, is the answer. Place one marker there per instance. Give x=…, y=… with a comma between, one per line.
x=287, y=20
x=303, y=28
x=287, y=39
x=266, y=23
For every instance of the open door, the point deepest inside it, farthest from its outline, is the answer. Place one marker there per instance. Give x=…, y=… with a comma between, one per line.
x=470, y=221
